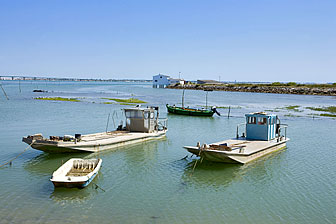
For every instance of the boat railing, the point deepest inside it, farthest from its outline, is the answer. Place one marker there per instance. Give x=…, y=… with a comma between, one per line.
x=239, y=125
x=162, y=123
x=282, y=126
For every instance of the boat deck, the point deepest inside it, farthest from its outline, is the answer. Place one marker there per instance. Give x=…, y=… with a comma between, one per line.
x=104, y=135
x=242, y=146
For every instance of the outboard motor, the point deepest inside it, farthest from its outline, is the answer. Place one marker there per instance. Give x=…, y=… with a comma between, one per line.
x=215, y=110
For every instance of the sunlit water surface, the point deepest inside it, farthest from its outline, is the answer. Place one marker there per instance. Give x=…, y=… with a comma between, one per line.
x=150, y=182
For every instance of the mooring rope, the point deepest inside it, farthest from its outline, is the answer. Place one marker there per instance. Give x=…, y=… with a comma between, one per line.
x=199, y=154
x=10, y=161
x=96, y=186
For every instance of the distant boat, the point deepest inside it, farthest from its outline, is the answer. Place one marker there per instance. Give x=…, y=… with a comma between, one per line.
x=263, y=136
x=192, y=111
x=76, y=173
x=142, y=124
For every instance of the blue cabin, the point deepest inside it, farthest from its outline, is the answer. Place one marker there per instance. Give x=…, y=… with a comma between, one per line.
x=261, y=126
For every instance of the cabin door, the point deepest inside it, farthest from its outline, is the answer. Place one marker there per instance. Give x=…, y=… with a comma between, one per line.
x=146, y=121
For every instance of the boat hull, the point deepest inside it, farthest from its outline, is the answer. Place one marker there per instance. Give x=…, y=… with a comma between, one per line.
x=77, y=184
x=189, y=111
x=237, y=157
x=81, y=184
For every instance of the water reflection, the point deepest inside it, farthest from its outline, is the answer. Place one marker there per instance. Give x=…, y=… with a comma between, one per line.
x=73, y=195
x=208, y=174
x=46, y=163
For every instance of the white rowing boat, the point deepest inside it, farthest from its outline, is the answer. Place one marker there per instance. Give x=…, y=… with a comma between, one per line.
x=76, y=173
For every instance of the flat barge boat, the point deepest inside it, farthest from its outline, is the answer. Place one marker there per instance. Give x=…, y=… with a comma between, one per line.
x=142, y=124
x=263, y=136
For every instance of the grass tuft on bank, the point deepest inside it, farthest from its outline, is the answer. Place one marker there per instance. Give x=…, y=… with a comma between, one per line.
x=129, y=101
x=328, y=115
x=331, y=109
x=58, y=99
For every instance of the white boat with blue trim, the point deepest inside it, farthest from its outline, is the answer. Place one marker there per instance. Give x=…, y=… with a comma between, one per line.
x=76, y=173
x=263, y=136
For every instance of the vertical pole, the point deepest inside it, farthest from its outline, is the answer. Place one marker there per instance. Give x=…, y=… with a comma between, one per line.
x=113, y=119
x=237, y=132
x=206, y=100
x=229, y=111
x=157, y=118
x=20, y=86
x=286, y=133
x=108, y=119
x=4, y=91
x=183, y=99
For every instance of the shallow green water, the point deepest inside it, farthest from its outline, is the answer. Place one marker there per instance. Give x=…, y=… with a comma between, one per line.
x=148, y=182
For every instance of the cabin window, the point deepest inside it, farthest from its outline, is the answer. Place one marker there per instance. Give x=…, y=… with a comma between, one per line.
x=155, y=81
x=146, y=115
x=134, y=114
x=152, y=115
x=252, y=120
x=262, y=120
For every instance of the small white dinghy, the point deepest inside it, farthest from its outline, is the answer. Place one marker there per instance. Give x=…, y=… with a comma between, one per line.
x=76, y=173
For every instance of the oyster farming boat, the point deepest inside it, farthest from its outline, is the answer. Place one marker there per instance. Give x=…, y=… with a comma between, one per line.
x=263, y=136
x=142, y=124
x=76, y=173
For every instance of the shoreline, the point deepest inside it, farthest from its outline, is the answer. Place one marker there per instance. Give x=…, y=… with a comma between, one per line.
x=298, y=90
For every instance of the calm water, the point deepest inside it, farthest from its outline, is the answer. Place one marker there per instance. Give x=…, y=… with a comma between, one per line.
x=148, y=182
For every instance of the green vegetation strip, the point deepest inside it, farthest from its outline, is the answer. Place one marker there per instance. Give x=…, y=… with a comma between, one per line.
x=58, y=99
x=222, y=107
x=130, y=100
x=292, y=107
x=331, y=109
x=328, y=115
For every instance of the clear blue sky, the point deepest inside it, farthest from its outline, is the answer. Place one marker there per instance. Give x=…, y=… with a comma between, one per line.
x=243, y=40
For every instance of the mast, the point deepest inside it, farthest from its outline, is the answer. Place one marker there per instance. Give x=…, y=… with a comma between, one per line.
x=206, y=100
x=206, y=97
x=183, y=99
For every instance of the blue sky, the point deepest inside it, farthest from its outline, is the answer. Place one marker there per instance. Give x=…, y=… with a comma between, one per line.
x=243, y=40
